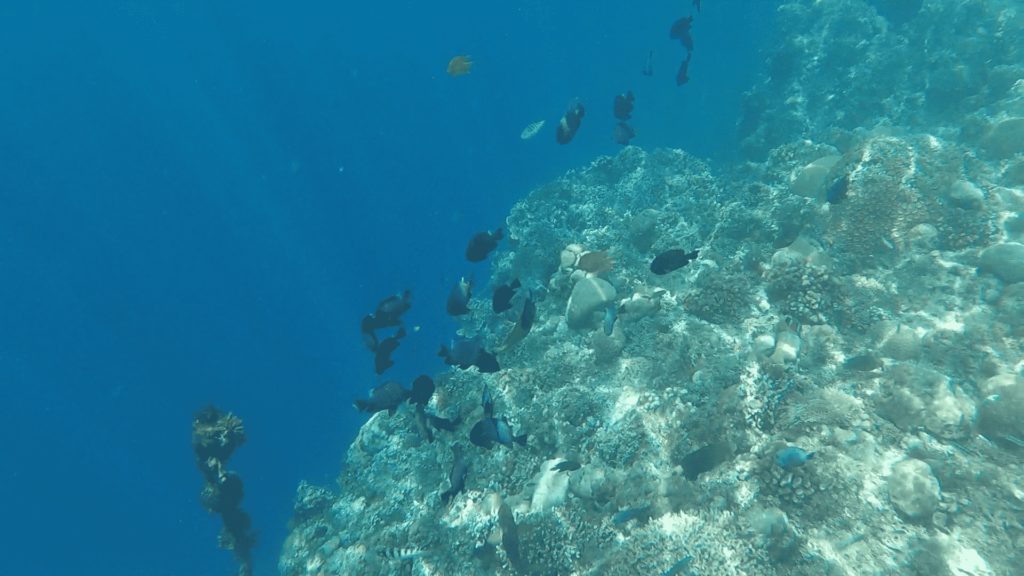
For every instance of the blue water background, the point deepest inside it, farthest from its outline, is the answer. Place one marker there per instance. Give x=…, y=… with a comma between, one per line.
x=199, y=200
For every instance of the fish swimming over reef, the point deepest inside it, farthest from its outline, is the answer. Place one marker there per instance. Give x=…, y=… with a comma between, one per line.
x=388, y=396
x=866, y=362
x=639, y=513
x=401, y=553
x=683, y=75
x=487, y=402
x=502, y=298
x=672, y=260
x=610, y=315
x=566, y=466
x=482, y=244
x=420, y=417
x=422, y=390
x=836, y=193
x=382, y=353
x=623, y=106
x=792, y=457
x=705, y=459
x=460, y=65
x=623, y=133
x=569, y=123
x=457, y=476
x=388, y=315
x=681, y=31
x=531, y=130
x=466, y=352
x=510, y=537
x=458, y=298
x=489, y=431
x=523, y=325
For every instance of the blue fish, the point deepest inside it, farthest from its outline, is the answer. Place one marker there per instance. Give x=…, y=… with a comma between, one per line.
x=678, y=567
x=792, y=457
x=837, y=191
x=610, y=314
x=638, y=513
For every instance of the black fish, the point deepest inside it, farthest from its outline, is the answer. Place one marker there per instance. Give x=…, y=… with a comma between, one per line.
x=623, y=133
x=648, y=69
x=458, y=298
x=387, y=396
x=487, y=402
x=623, y=106
x=457, y=477
x=682, y=76
x=510, y=537
x=482, y=244
x=389, y=312
x=672, y=260
x=467, y=352
x=837, y=191
x=502, y=299
x=528, y=315
x=486, y=362
x=696, y=4
x=569, y=123
x=422, y=390
x=382, y=354
x=566, y=466
x=681, y=31
x=490, y=430
x=705, y=459
x=446, y=424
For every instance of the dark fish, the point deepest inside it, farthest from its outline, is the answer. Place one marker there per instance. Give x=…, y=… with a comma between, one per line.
x=388, y=315
x=510, y=536
x=639, y=513
x=566, y=466
x=696, y=4
x=671, y=260
x=705, y=459
x=446, y=424
x=486, y=362
x=864, y=362
x=422, y=390
x=466, y=352
x=528, y=315
x=682, y=76
x=623, y=133
x=837, y=191
x=458, y=298
x=792, y=457
x=487, y=402
x=482, y=244
x=681, y=31
x=382, y=354
x=422, y=425
x=648, y=69
x=387, y=396
x=623, y=106
x=457, y=477
x=502, y=299
x=683, y=564
x=490, y=430
x=569, y=123
x=610, y=314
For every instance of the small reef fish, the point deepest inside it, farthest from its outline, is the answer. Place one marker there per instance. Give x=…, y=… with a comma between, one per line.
x=864, y=362
x=523, y=325
x=388, y=315
x=460, y=65
x=531, y=130
x=457, y=476
x=623, y=133
x=566, y=466
x=610, y=314
x=510, y=536
x=672, y=260
x=569, y=123
x=705, y=459
x=623, y=106
x=487, y=402
x=836, y=193
x=502, y=298
x=466, y=352
x=490, y=430
x=683, y=75
x=648, y=69
x=401, y=554
x=681, y=31
x=458, y=298
x=482, y=244
x=382, y=353
x=422, y=390
x=639, y=513
x=792, y=457
x=387, y=396
x=446, y=424
x=677, y=568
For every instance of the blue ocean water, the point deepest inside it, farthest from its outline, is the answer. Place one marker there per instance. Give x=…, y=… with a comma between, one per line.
x=200, y=200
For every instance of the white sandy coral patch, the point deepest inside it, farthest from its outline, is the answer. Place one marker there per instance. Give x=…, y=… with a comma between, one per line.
x=964, y=561
x=551, y=487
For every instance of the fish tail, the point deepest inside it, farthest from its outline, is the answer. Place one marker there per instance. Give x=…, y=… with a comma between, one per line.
x=521, y=440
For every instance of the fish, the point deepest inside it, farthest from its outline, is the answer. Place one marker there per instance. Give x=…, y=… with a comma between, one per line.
x=401, y=553
x=388, y=315
x=490, y=430
x=446, y=424
x=623, y=133
x=566, y=466
x=648, y=69
x=486, y=362
x=531, y=130
x=487, y=402
x=510, y=536
x=502, y=298
x=681, y=31
x=685, y=562
x=460, y=65
x=836, y=193
x=640, y=513
x=610, y=314
x=705, y=459
x=387, y=396
x=623, y=106
x=422, y=390
x=672, y=260
x=382, y=353
x=458, y=298
x=466, y=352
x=569, y=123
x=792, y=457
x=864, y=362
x=523, y=325
x=696, y=4
x=683, y=75
x=482, y=244
x=457, y=476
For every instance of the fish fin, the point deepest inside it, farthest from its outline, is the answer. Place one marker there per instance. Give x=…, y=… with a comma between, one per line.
x=521, y=440
x=810, y=455
x=362, y=405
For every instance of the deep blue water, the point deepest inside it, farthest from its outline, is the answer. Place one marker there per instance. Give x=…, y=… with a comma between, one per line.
x=199, y=200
